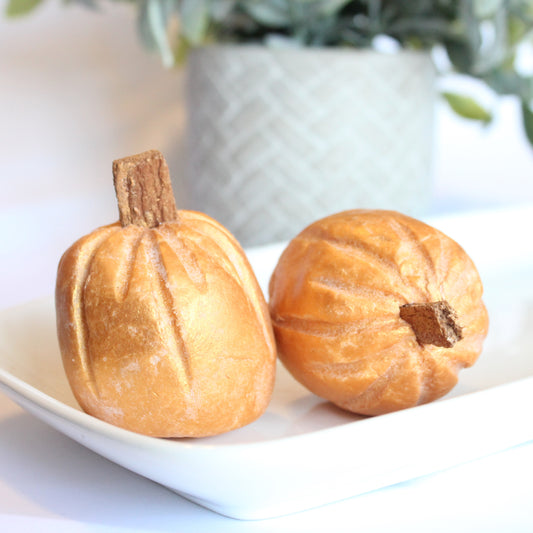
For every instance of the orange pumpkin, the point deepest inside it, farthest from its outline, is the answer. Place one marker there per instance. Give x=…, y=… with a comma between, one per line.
x=162, y=326
x=376, y=311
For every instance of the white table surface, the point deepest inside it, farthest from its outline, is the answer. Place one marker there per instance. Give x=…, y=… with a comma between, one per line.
x=76, y=91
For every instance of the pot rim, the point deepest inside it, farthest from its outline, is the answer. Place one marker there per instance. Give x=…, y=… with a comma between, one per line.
x=249, y=48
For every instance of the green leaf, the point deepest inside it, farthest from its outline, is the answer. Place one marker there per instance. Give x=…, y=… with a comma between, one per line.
x=181, y=50
x=467, y=107
x=195, y=20
x=275, y=13
x=509, y=82
x=460, y=54
x=516, y=29
x=330, y=7
x=527, y=121
x=18, y=8
x=153, y=18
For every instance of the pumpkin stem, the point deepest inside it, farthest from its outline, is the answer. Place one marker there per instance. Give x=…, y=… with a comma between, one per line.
x=433, y=323
x=144, y=190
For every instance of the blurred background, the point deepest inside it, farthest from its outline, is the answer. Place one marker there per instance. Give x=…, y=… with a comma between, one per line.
x=77, y=90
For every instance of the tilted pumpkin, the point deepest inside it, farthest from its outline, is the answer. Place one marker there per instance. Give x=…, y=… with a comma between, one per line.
x=376, y=311
x=162, y=326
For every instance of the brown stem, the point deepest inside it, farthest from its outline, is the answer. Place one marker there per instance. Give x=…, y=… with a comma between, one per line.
x=144, y=190
x=433, y=323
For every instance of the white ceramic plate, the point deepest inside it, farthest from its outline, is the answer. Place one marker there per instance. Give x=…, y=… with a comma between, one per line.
x=304, y=452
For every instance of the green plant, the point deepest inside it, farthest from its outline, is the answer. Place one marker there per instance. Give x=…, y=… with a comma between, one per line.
x=485, y=40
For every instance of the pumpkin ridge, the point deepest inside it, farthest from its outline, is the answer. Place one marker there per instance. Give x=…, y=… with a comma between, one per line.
x=323, y=328
x=443, y=256
x=358, y=248
x=184, y=359
x=191, y=268
x=469, y=352
x=475, y=315
x=462, y=279
x=355, y=289
x=429, y=368
x=80, y=318
x=467, y=356
x=351, y=365
x=124, y=288
x=253, y=301
x=403, y=230
x=205, y=219
x=378, y=387
x=232, y=272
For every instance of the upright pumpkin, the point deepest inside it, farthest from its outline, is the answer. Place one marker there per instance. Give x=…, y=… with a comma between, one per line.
x=376, y=311
x=162, y=326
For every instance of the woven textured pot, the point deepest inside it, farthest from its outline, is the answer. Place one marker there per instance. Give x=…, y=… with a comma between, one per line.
x=277, y=138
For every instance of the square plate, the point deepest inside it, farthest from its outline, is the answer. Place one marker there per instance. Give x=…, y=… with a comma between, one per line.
x=304, y=452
